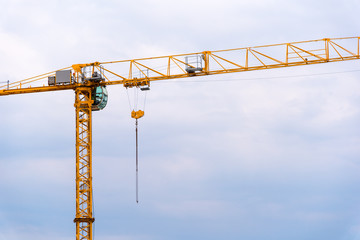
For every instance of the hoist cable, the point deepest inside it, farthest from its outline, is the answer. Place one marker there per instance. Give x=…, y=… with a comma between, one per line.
x=145, y=100
x=127, y=93
x=136, y=98
x=137, y=162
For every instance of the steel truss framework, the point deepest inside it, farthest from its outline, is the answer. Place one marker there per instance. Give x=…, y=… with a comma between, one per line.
x=84, y=215
x=142, y=71
x=139, y=72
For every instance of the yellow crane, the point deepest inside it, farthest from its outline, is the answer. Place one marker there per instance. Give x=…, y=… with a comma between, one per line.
x=89, y=81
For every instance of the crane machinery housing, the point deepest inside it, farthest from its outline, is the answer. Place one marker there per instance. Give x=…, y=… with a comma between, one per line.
x=89, y=81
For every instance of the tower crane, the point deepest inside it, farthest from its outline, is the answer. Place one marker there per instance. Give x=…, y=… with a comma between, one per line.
x=89, y=82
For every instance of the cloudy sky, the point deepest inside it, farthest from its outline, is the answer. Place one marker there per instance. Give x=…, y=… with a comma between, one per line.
x=260, y=155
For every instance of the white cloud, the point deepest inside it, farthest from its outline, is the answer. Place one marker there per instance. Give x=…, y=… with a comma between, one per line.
x=18, y=57
x=50, y=171
x=193, y=208
x=251, y=151
x=31, y=234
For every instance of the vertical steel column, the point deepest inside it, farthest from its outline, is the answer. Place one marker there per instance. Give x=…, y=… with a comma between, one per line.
x=287, y=54
x=327, y=52
x=206, y=61
x=84, y=215
x=247, y=59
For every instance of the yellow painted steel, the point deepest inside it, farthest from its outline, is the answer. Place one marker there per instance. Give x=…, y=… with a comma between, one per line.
x=84, y=215
x=140, y=72
x=137, y=114
x=77, y=67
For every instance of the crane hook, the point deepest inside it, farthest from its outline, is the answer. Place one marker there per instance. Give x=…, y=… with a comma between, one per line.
x=137, y=114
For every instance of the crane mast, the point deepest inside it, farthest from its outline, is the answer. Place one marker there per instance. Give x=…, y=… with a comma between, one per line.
x=89, y=82
x=84, y=215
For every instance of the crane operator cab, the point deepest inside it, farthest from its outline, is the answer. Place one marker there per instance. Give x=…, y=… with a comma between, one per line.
x=99, y=95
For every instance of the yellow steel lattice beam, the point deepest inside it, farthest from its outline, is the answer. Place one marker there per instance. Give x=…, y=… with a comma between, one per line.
x=84, y=216
x=214, y=62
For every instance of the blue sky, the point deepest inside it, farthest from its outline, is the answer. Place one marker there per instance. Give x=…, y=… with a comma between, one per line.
x=268, y=154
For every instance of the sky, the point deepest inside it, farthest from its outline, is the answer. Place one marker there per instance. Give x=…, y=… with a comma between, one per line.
x=271, y=154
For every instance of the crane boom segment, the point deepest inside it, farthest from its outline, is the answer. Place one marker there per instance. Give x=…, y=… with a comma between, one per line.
x=144, y=70
x=89, y=82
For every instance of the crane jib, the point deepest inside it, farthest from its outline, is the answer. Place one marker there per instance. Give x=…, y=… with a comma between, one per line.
x=140, y=72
